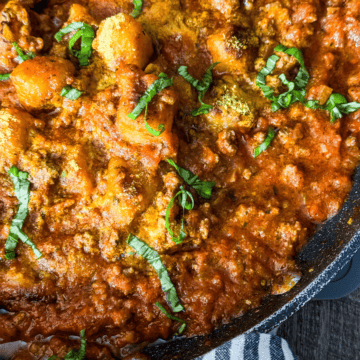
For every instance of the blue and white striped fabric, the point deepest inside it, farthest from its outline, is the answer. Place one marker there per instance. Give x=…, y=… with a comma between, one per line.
x=252, y=347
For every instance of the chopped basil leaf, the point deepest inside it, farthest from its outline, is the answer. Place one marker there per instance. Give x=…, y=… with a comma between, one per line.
x=67, y=29
x=201, y=86
x=22, y=57
x=4, y=77
x=302, y=77
x=21, y=184
x=296, y=91
x=203, y=188
x=87, y=35
x=70, y=92
x=172, y=317
x=263, y=73
x=185, y=204
x=75, y=354
x=337, y=105
x=78, y=354
x=262, y=147
x=153, y=258
x=158, y=85
x=182, y=70
x=138, y=4
x=181, y=329
x=203, y=109
x=161, y=127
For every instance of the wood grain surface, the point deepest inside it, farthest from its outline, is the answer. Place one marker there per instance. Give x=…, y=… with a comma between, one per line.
x=325, y=330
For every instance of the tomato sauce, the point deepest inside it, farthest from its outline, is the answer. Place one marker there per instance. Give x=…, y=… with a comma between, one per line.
x=96, y=175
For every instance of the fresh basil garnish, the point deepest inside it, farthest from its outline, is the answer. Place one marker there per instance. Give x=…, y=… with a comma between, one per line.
x=158, y=85
x=203, y=109
x=296, y=91
x=263, y=146
x=337, y=104
x=161, y=127
x=154, y=260
x=23, y=57
x=138, y=4
x=21, y=184
x=201, y=86
x=78, y=354
x=87, y=35
x=4, y=77
x=185, y=204
x=70, y=92
x=75, y=354
x=172, y=317
x=203, y=188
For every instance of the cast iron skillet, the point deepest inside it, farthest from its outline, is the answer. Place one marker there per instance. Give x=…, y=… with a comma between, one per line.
x=331, y=247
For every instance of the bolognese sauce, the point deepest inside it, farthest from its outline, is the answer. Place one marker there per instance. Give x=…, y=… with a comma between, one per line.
x=162, y=161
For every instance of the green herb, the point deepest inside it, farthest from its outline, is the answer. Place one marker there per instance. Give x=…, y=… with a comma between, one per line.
x=21, y=184
x=22, y=57
x=185, y=204
x=203, y=188
x=70, y=92
x=4, y=77
x=87, y=35
x=296, y=91
x=201, y=86
x=161, y=127
x=78, y=354
x=172, y=317
x=337, y=105
x=64, y=174
x=262, y=147
x=138, y=4
x=75, y=354
x=154, y=260
x=203, y=109
x=158, y=85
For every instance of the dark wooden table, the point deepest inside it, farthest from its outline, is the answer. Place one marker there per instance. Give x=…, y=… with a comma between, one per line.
x=325, y=330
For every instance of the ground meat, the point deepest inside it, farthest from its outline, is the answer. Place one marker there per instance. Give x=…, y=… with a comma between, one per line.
x=97, y=175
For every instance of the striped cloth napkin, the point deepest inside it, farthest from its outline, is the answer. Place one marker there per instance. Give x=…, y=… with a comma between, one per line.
x=252, y=346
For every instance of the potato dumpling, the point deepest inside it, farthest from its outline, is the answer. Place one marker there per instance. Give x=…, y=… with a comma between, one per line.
x=121, y=38
x=233, y=107
x=161, y=110
x=79, y=13
x=77, y=177
x=38, y=82
x=233, y=48
x=14, y=126
x=124, y=197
